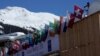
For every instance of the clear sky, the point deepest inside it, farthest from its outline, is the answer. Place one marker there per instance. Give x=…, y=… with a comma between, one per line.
x=58, y=7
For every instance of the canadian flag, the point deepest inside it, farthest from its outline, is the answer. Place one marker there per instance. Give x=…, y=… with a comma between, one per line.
x=78, y=12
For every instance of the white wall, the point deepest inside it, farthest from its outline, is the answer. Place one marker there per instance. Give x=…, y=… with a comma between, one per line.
x=41, y=48
x=94, y=7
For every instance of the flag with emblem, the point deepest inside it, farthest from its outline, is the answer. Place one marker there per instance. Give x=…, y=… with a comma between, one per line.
x=78, y=12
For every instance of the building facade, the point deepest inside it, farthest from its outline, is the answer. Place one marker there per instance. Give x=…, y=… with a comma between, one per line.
x=50, y=46
x=83, y=39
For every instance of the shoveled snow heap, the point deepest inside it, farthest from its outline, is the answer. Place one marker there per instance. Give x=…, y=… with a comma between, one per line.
x=23, y=18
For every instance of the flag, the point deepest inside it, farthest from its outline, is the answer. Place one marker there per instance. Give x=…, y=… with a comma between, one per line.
x=65, y=26
x=25, y=43
x=65, y=23
x=2, y=52
x=51, y=30
x=45, y=33
x=30, y=39
x=60, y=25
x=71, y=21
x=78, y=12
x=34, y=40
x=16, y=45
x=6, y=51
x=55, y=26
x=87, y=5
x=37, y=37
x=42, y=34
x=11, y=51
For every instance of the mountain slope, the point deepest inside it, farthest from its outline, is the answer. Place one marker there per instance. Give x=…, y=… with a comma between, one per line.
x=21, y=17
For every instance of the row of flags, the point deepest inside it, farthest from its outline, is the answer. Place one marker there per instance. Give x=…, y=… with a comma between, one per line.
x=41, y=35
x=86, y=7
x=71, y=18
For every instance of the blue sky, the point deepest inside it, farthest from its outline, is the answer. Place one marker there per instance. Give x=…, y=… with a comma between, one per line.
x=58, y=7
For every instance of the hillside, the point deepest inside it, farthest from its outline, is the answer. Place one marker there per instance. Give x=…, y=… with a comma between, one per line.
x=18, y=19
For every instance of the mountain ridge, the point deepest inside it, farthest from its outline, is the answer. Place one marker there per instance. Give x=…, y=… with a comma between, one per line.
x=21, y=17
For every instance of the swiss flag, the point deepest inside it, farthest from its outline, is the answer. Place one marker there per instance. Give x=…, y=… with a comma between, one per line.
x=71, y=21
x=78, y=12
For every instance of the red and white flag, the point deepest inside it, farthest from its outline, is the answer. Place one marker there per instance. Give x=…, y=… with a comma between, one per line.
x=78, y=12
x=71, y=20
x=16, y=45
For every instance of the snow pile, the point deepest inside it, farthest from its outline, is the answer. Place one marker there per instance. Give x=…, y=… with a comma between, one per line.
x=23, y=18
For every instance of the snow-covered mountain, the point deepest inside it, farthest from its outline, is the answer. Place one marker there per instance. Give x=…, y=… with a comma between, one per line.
x=21, y=17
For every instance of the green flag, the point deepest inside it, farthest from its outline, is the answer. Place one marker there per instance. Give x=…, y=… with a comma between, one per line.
x=56, y=25
x=36, y=37
x=45, y=33
x=51, y=29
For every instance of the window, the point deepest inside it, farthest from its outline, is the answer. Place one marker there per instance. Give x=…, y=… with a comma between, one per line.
x=49, y=46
